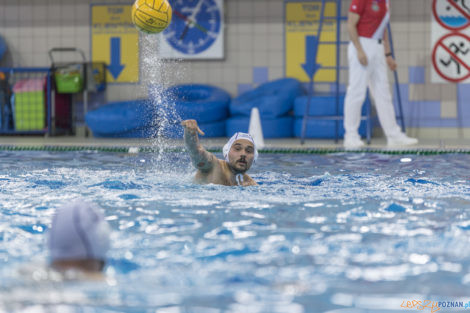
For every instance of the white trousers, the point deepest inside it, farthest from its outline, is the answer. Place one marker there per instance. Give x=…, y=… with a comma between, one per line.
x=375, y=76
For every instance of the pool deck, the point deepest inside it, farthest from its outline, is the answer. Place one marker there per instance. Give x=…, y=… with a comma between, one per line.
x=37, y=142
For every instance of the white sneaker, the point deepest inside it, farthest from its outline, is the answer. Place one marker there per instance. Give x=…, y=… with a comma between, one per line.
x=401, y=140
x=352, y=142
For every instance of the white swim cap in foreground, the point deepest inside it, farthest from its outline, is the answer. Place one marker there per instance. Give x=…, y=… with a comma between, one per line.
x=78, y=232
x=234, y=138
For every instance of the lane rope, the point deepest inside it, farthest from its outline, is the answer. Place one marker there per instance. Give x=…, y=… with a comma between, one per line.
x=147, y=149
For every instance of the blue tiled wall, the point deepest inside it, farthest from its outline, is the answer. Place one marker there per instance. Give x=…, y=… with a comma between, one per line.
x=416, y=75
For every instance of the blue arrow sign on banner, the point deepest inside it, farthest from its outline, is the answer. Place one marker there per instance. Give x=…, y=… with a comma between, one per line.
x=311, y=47
x=115, y=67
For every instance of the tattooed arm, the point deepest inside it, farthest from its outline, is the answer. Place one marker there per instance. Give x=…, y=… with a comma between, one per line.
x=201, y=159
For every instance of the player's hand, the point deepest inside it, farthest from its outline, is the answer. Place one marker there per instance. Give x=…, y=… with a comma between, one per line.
x=191, y=126
x=392, y=64
x=362, y=57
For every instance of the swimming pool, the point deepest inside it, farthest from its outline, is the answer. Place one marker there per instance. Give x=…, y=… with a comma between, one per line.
x=343, y=232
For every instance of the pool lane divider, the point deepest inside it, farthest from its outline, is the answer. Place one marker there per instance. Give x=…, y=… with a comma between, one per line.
x=149, y=149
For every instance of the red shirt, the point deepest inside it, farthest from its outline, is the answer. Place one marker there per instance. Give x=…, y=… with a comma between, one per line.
x=373, y=19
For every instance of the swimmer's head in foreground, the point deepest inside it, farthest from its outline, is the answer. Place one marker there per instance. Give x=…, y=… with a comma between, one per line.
x=239, y=154
x=78, y=238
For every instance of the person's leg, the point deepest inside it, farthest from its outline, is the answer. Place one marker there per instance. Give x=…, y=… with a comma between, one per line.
x=355, y=95
x=380, y=90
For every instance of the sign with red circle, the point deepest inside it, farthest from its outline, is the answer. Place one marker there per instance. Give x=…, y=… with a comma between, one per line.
x=451, y=57
x=452, y=14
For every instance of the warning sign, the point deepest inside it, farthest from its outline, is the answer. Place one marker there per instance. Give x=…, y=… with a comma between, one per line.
x=450, y=33
x=451, y=57
x=452, y=14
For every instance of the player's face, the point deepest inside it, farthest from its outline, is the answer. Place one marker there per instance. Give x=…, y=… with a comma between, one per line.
x=241, y=155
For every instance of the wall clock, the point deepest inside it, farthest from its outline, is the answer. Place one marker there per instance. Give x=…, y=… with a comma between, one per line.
x=196, y=30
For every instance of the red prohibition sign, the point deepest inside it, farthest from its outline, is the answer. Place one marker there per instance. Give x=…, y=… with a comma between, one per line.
x=440, y=43
x=453, y=4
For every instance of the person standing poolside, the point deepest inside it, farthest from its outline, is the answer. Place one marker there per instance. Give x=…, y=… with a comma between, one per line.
x=368, y=54
x=78, y=241
x=239, y=153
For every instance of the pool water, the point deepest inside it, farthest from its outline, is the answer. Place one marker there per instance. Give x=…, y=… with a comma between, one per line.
x=344, y=232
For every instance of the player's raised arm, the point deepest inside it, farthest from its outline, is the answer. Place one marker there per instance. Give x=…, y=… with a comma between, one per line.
x=201, y=159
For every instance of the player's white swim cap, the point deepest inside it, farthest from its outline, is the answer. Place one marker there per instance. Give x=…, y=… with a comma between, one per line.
x=234, y=138
x=78, y=232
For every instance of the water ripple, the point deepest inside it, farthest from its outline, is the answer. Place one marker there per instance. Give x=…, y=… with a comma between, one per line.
x=319, y=231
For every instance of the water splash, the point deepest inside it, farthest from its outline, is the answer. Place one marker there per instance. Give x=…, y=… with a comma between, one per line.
x=157, y=75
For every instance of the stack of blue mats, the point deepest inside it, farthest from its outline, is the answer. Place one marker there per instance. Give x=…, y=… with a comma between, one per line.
x=274, y=100
x=125, y=119
x=146, y=118
x=206, y=104
x=322, y=104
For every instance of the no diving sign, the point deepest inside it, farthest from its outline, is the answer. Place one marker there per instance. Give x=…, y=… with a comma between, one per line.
x=451, y=57
x=452, y=14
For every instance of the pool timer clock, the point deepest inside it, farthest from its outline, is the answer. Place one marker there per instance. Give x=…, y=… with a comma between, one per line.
x=197, y=28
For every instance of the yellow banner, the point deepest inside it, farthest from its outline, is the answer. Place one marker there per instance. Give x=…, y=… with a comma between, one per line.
x=115, y=41
x=302, y=20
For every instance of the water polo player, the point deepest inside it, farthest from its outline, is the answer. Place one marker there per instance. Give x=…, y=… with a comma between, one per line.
x=239, y=153
x=79, y=240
